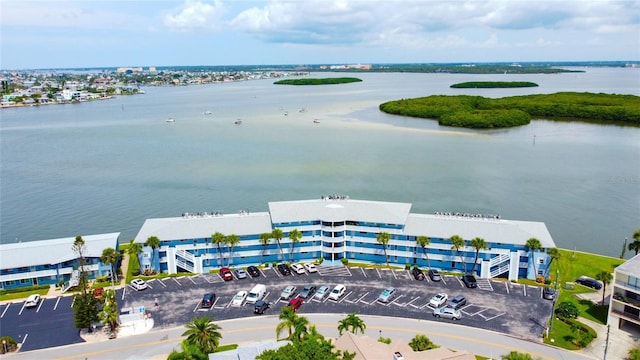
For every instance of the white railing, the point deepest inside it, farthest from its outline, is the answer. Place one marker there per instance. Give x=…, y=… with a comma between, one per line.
x=183, y=264
x=74, y=281
x=499, y=259
x=499, y=271
x=185, y=255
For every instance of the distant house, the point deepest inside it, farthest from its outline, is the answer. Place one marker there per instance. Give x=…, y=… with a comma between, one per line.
x=46, y=262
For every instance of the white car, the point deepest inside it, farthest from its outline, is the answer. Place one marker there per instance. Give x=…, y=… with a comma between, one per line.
x=138, y=284
x=288, y=292
x=337, y=292
x=438, y=300
x=299, y=269
x=239, y=299
x=311, y=268
x=32, y=301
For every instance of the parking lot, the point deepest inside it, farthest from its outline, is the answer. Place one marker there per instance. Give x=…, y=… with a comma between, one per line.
x=506, y=307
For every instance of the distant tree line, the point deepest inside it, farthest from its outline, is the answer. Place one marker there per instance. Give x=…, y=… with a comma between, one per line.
x=484, y=113
x=312, y=81
x=493, y=84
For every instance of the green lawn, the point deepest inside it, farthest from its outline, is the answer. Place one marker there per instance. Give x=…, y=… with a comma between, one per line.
x=23, y=294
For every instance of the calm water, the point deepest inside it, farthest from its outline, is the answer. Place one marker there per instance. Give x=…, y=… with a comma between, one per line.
x=108, y=165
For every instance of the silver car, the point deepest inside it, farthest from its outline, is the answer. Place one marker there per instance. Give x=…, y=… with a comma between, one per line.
x=322, y=292
x=241, y=274
x=447, y=313
x=288, y=292
x=387, y=295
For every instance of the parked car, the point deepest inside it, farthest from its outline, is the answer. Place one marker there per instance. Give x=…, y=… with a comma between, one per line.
x=469, y=281
x=387, y=294
x=297, y=268
x=447, y=313
x=253, y=271
x=457, y=302
x=32, y=301
x=549, y=293
x=434, y=275
x=288, y=292
x=417, y=273
x=295, y=304
x=207, y=300
x=239, y=299
x=226, y=274
x=257, y=293
x=307, y=292
x=138, y=284
x=337, y=292
x=97, y=293
x=322, y=292
x=310, y=267
x=589, y=282
x=241, y=274
x=284, y=269
x=438, y=300
x=260, y=307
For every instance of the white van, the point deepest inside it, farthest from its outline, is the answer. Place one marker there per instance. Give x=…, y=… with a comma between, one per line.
x=257, y=293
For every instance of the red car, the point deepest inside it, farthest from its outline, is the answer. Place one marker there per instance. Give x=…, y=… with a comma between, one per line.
x=97, y=293
x=226, y=274
x=295, y=303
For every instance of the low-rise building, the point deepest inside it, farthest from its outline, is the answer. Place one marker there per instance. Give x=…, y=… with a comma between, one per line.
x=46, y=262
x=337, y=227
x=624, y=306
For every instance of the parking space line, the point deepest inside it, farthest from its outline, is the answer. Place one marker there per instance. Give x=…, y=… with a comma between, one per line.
x=345, y=297
x=73, y=300
x=524, y=290
x=394, y=274
x=493, y=317
x=265, y=297
x=214, y=304
x=56, y=304
x=372, y=302
x=176, y=280
x=124, y=290
x=262, y=272
x=459, y=281
x=276, y=271
x=378, y=271
x=477, y=312
x=362, y=297
x=196, y=308
x=22, y=309
x=414, y=299
x=394, y=301
x=5, y=310
x=363, y=272
x=40, y=305
x=443, y=281
x=190, y=278
x=506, y=285
x=424, y=306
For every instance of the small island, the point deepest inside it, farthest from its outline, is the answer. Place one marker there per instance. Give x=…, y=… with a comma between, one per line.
x=312, y=81
x=493, y=84
x=477, y=112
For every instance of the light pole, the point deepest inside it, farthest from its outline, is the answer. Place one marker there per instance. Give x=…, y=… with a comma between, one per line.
x=553, y=306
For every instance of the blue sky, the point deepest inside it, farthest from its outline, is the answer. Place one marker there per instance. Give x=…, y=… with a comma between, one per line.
x=55, y=34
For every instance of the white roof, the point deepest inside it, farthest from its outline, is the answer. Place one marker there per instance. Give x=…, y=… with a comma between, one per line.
x=631, y=266
x=203, y=226
x=339, y=210
x=54, y=251
x=492, y=230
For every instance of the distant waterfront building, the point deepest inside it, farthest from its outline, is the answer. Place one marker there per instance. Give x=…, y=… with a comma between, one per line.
x=337, y=227
x=47, y=262
x=624, y=305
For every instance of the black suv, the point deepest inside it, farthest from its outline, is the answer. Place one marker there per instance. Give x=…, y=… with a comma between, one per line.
x=469, y=281
x=417, y=273
x=589, y=282
x=260, y=307
x=207, y=300
x=284, y=269
x=457, y=302
x=253, y=271
x=434, y=275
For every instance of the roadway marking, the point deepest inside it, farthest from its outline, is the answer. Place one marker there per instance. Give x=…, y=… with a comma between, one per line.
x=194, y=283
x=524, y=289
x=363, y=272
x=394, y=301
x=262, y=272
x=378, y=271
x=74, y=300
x=5, y=310
x=477, y=312
x=444, y=282
x=362, y=297
x=373, y=302
x=196, y=308
x=176, y=280
x=40, y=305
x=214, y=304
x=345, y=296
x=22, y=309
x=506, y=285
x=57, y=301
x=394, y=274
x=493, y=317
x=124, y=290
x=411, y=302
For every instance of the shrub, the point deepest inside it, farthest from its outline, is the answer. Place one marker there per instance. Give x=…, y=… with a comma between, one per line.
x=344, y=261
x=421, y=343
x=11, y=344
x=567, y=310
x=407, y=266
x=384, y=340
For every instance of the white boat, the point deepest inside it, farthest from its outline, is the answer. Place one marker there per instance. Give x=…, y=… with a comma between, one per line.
x=170, y=120
x=208, y=112
x=238, y=122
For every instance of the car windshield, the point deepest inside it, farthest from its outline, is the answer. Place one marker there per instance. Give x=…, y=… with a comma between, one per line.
x=335, y=291
x=385, y=293
x=321, y=290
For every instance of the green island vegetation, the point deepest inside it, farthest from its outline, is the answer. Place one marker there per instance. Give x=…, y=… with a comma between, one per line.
x=313, y=81
x=483, y=113
x=493, y=84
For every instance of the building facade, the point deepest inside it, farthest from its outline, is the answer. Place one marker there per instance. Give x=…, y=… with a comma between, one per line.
x=47, y=262
x=337, y=227
x=624, y=306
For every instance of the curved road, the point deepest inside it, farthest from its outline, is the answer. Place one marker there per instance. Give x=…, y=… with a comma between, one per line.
x=159, y=343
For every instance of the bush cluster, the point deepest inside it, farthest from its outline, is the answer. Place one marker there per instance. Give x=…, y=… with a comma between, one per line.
x=493, y=84
x=312, y=81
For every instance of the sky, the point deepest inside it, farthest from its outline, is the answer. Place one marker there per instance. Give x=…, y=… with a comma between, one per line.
x=119, y=33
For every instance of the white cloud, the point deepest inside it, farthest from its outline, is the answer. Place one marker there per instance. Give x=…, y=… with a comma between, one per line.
x=196, y=15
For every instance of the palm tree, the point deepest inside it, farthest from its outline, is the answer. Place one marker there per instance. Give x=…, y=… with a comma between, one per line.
x=554, y=254
x=457, y=243
x=424, y=241
x=294, y=235
x=265, y=239
x=478, y=244
x=153, y=242
x=232, y=240
x=218, y=239
x=383, y=239
x=110, y=314
x=277, y=235
x=606, y=278
x=635, y=244
x=203, y=333
x=134, y=250
x=288, y=317
x=110, y=256
x=300, y=327
x=533, y=244
x=351, y=323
